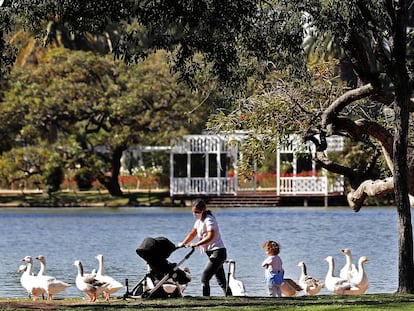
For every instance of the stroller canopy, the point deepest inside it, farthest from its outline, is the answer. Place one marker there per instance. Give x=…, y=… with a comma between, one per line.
x=155, y=249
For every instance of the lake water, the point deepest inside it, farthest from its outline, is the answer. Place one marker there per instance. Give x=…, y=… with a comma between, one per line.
x=64, y=235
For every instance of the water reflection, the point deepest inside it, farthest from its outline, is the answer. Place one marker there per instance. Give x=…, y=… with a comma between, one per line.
x=309, y=234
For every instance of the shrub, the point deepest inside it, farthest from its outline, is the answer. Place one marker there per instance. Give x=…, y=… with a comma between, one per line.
x=84, y=178
x=53, y=174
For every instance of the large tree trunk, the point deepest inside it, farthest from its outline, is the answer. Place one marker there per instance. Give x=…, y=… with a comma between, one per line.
x=406, y=263
x=111, y=183
x=113, y=187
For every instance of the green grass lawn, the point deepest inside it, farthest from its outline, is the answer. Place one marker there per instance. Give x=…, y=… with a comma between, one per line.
x=320, y=302
x=84, y=198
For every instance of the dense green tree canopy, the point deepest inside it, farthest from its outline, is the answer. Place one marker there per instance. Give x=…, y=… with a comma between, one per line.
x=222, y=31
x=7, y=52
x=99, y=106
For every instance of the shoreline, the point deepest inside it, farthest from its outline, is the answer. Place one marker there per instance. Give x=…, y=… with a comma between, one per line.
x=161, y=198
x=300, y=303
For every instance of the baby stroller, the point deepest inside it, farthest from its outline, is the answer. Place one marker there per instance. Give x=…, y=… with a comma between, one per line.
x=164, y=279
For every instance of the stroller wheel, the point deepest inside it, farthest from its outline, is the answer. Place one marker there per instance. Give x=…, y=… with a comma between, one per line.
x=139, y=290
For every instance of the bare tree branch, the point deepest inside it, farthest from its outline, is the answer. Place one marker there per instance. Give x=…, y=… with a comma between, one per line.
x=369, y=188
x=344, y=100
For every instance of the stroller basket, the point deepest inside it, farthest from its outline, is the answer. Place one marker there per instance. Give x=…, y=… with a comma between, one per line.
x=163, y=275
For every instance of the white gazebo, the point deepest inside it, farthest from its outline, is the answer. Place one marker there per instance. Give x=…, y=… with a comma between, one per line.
x=207, y=165
x=203, y=164
x=313, y=181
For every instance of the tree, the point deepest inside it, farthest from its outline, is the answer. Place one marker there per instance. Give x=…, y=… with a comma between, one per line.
x=94, y=108
x=375, y=40
x=54, y=173
x=216, y=29
x=373, y=36
x=7, y=52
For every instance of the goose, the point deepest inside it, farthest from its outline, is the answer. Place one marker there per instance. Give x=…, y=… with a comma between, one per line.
x=310, y=284
x=50, y=284
x=336, y=285
x=113, y=286
x=22, y=269
x=88, y=283
x=349, y=270
x=236, y=287
x=290, y=288
x=30, y=281
x=360, y=282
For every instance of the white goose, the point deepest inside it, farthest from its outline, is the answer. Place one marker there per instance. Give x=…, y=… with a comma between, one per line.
x=88, y=283
x=336, y=285
x=113, y=286
x=310, y=284
x=349, y=270
x=22, y=269
x=50, y=284
x=30, y=281
x=237, y=287
x=360, y=282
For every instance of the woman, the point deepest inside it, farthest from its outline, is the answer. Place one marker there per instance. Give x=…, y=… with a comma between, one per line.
x=210, y=242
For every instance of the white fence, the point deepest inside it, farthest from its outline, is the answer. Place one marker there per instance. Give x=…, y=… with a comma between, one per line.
x=208, y=186
x=227, y=185
x=311, y=185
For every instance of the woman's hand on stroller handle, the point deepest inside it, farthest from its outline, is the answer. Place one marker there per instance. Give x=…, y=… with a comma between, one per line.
x=181, y=245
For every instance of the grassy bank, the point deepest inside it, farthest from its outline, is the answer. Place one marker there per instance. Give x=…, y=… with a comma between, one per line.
x=322, y=303
x=83, y=198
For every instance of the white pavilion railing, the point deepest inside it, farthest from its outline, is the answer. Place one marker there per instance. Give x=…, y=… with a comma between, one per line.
x=310, y=185
x=206, y=186
x=226, y=185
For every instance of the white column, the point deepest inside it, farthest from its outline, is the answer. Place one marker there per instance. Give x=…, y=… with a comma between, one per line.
x=218, y=165
x=294, y=171
x=188, y=179
x=235, y=168
x=171, y=173
x=278, y=171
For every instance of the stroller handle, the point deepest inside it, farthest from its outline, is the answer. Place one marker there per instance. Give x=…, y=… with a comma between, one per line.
x=186, y=246
x=190, y=252
x=185, y=257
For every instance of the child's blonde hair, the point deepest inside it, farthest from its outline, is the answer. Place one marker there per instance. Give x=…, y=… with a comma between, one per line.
x=272, y=247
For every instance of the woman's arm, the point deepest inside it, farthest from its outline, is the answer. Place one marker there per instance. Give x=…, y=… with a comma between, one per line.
x=190, y=236
x=209, y=237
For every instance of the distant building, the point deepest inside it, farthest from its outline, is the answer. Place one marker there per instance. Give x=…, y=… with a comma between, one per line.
x=207, y=165
x=201, y=164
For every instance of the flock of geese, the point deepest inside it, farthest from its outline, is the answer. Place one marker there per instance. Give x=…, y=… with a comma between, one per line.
x=93, y=284
x=352, y=279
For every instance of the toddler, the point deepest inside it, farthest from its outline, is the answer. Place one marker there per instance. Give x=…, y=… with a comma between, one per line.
x=274, y=271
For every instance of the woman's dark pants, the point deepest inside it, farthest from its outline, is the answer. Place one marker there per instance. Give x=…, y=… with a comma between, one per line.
x=216, y=259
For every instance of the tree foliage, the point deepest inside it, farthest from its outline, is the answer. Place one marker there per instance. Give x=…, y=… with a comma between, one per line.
x=7, y=52
x=97, y=105
x=223, y=32
x=374, y=38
